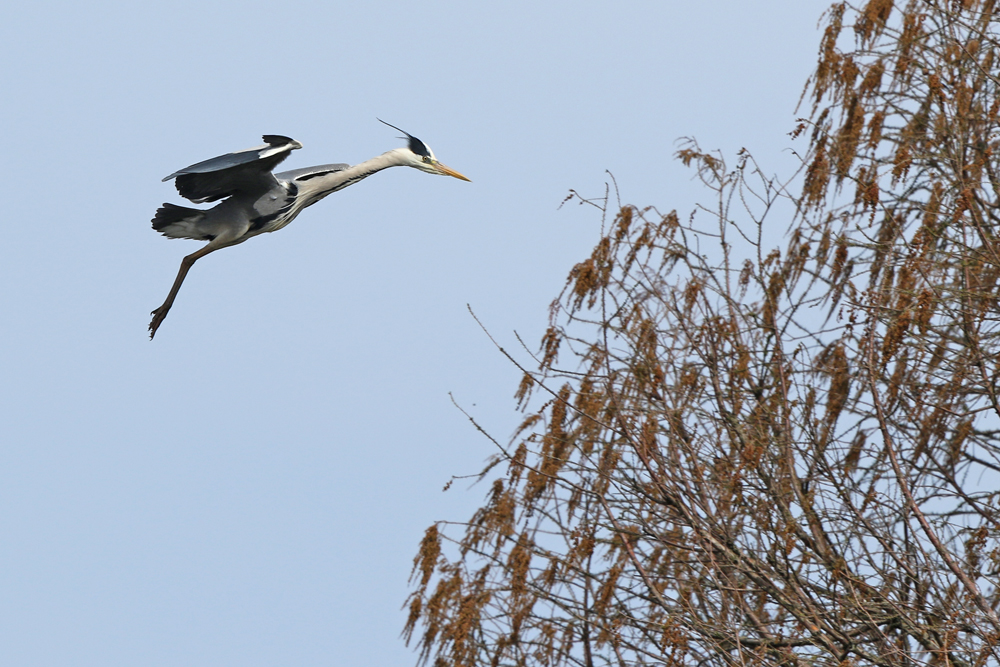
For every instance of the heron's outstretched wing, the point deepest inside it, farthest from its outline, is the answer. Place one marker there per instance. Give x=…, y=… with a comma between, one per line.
x=248, y=170
x=307, y=173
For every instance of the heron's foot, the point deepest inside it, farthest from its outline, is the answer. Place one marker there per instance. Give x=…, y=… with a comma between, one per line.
x=158, y=316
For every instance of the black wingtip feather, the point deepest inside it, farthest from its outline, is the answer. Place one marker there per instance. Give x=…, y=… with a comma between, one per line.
x=169, y=213
x=194, y=187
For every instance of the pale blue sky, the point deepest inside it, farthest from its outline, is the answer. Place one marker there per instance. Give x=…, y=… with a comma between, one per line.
x=250, y=488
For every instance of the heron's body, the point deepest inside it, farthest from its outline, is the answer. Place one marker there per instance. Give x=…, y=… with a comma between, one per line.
x=255, y=201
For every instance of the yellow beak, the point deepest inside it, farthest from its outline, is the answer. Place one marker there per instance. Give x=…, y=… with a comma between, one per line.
x=448, y=171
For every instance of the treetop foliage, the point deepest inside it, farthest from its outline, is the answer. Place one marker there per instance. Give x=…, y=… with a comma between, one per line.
x=740, y=451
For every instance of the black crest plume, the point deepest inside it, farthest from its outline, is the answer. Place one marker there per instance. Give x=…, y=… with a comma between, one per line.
x=416, y=145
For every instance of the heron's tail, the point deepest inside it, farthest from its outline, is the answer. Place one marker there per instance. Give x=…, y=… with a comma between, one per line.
x=178, y=222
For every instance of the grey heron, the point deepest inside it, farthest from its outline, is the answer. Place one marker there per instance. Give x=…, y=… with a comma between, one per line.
x=255, y=201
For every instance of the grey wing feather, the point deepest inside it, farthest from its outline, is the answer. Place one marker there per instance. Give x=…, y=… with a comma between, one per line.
x=242, y=171
x=306, y=173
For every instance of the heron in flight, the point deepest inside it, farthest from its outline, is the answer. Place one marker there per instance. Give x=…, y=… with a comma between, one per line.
x=255, y=201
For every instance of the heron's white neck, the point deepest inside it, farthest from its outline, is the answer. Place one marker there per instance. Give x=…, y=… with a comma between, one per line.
x=321, y=186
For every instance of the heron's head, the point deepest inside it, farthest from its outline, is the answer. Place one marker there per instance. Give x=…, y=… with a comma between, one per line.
x=420, y=156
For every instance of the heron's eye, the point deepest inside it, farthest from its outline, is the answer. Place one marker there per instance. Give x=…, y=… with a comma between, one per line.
x=427, y=159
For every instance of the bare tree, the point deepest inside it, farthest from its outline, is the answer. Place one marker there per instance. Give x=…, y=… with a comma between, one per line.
x=739, y=453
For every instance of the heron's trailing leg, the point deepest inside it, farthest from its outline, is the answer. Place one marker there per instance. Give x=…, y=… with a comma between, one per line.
x=160, y=313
